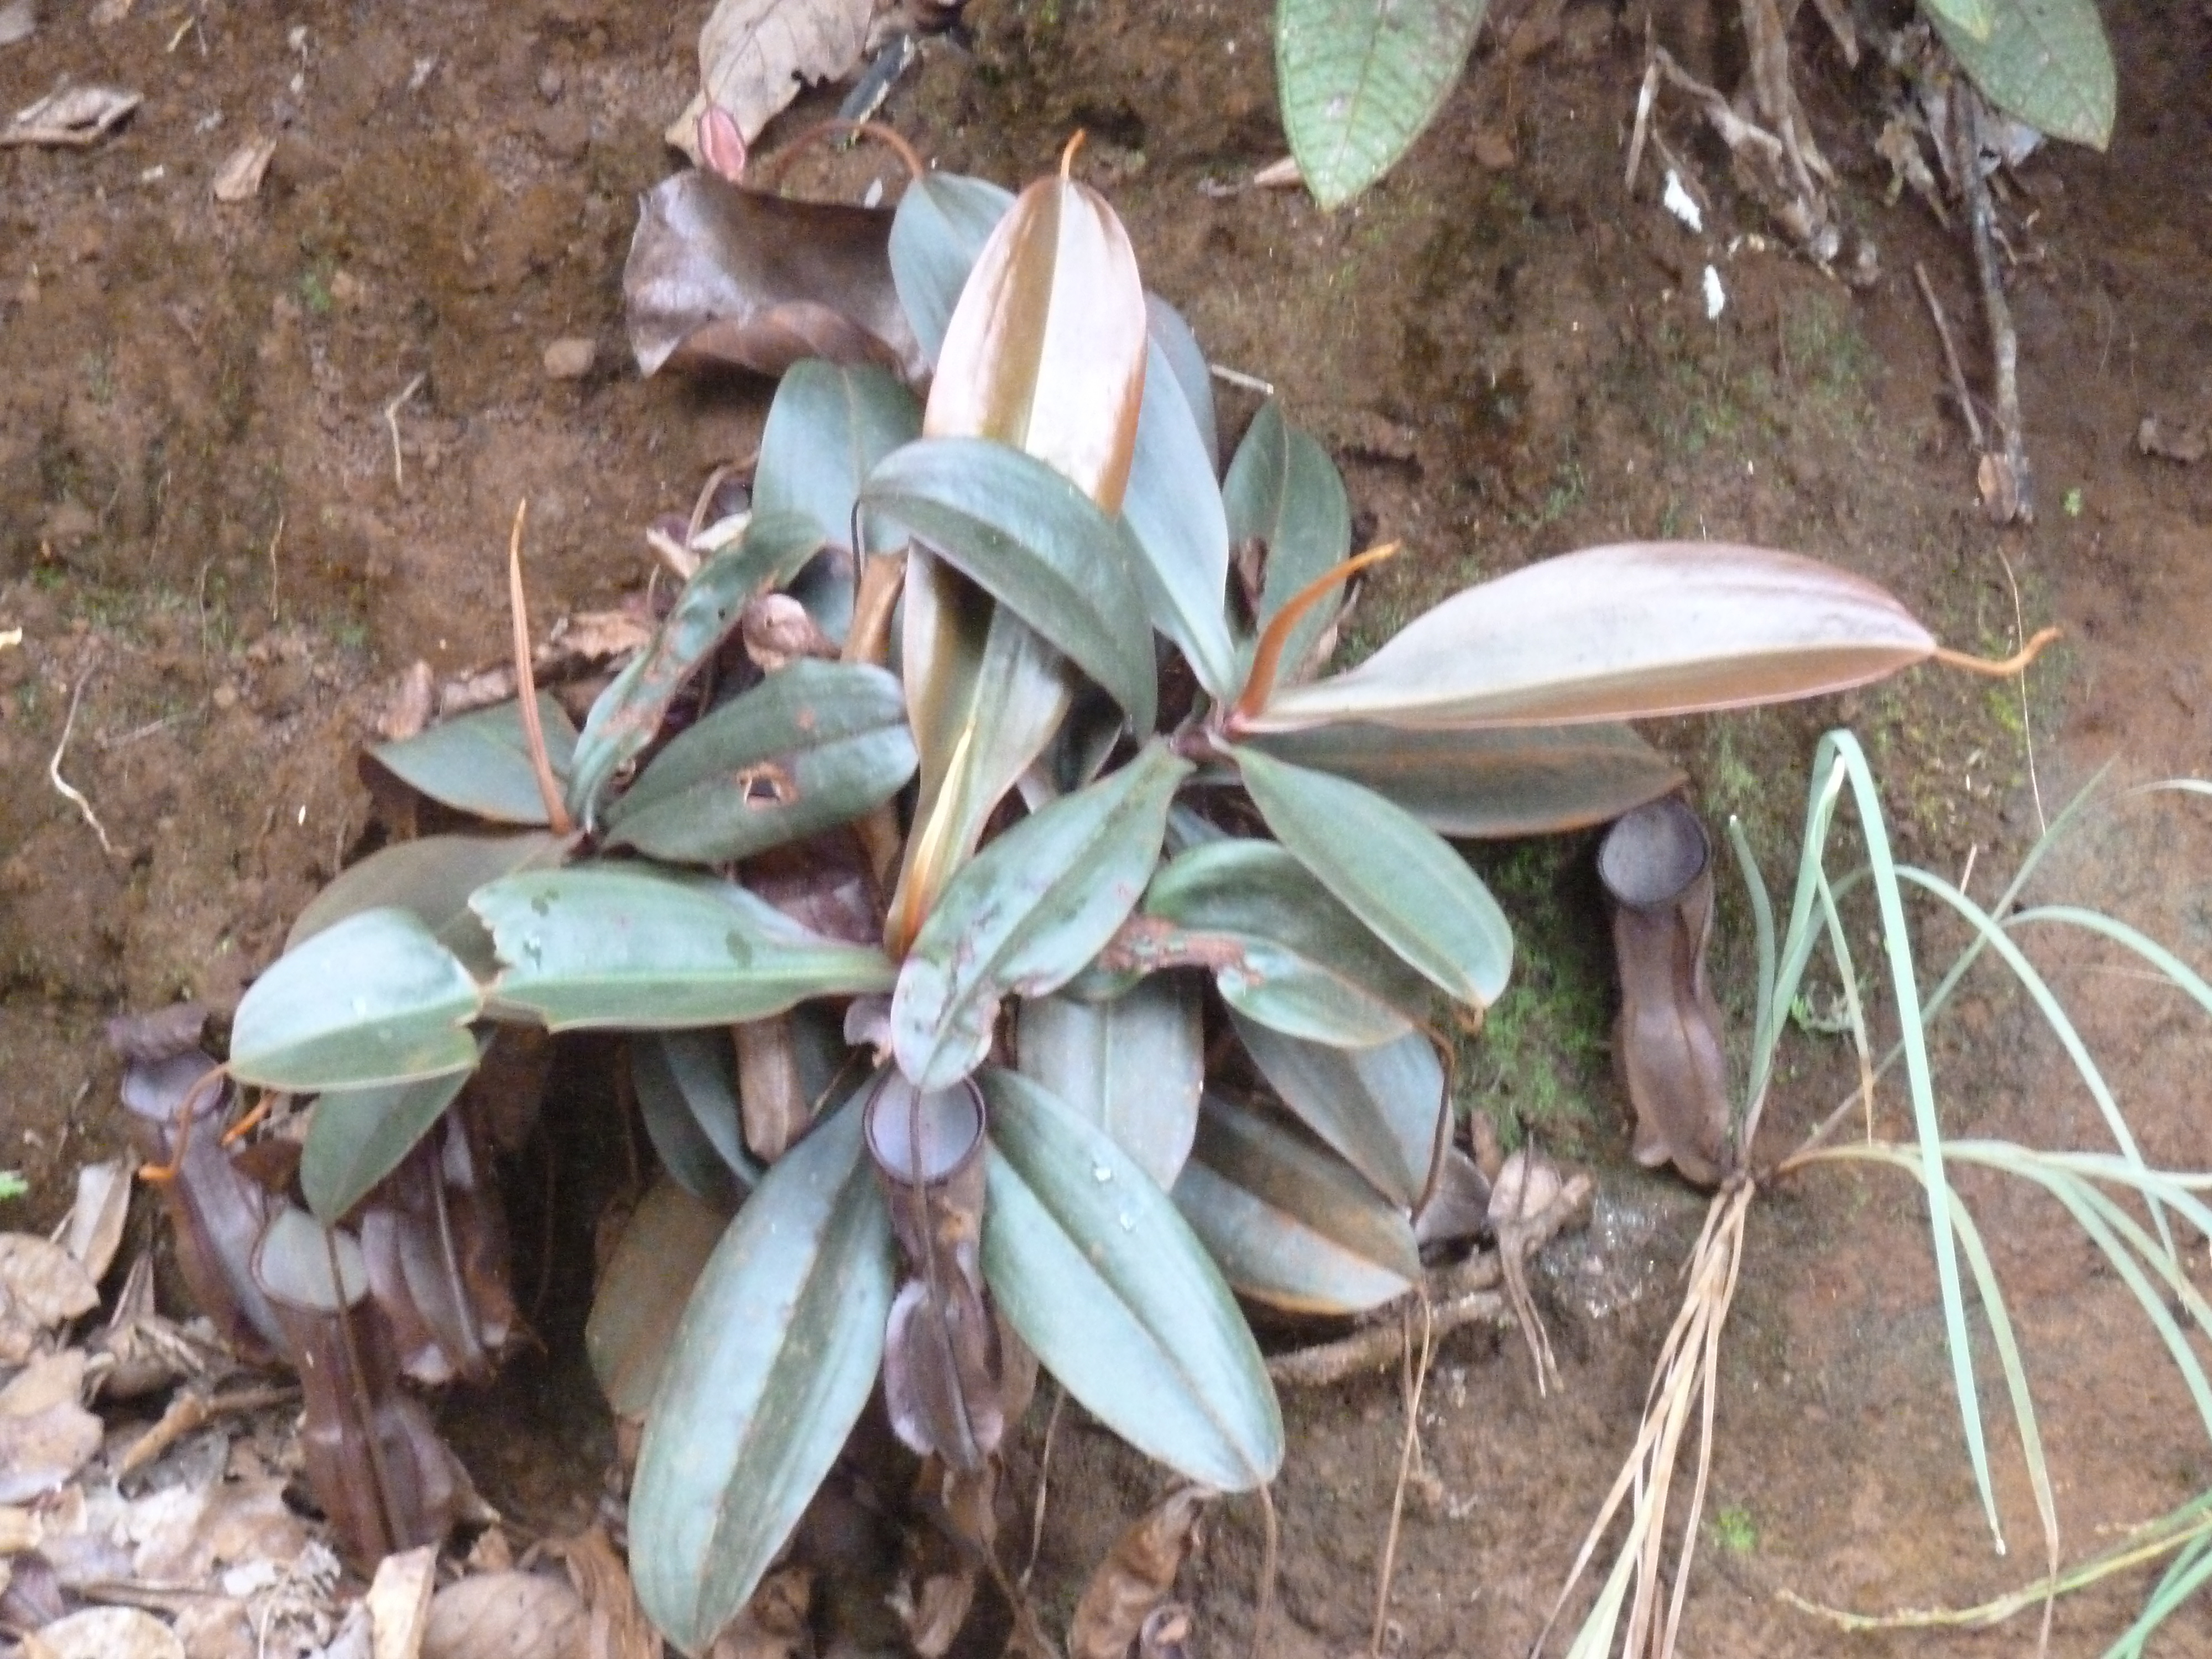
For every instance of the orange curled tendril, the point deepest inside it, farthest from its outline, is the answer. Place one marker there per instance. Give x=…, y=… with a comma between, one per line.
x=1998, y=670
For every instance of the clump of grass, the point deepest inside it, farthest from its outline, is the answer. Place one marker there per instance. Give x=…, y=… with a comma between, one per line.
x=2099, y=1191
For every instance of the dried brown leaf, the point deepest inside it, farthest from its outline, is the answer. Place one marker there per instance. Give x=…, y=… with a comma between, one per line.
x=618, y=1628
x=46, y=1284
x=773, y=1624
x=399, y=1602
x=239, y=179
x=507, y=1615
x=72, y=118
x=1136, y=1576
x=753, y=54
x=45, y=1435
x=94, y=1229
x=107, y=1633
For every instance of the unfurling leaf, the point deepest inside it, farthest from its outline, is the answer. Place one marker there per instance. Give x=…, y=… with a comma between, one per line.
x=1479, y=784
x=773, y=1361
x=479, y=763
x=985, y=693
x=1096, y=1270
x=813, y=745
x=1413, y=891
x=1045, y=351
x=1382, y=1110
x=1283, y=494
x=628, y=714
x=1291, y=1225
x=1138, y=1574
x=642, y=1293
x=723, y=276
x=375, y=999
x=617, y=946
x=1283, y=950
x=1027, y=914
x=1036, y=543
x=1134, y=1066
x=1359, y=81
x=1639, y=630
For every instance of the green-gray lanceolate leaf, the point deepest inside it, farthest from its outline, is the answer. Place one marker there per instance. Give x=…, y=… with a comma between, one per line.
x=687, y=1092
x=1642, y=630
x=772, y=1362
x=480, y=764
x=617, y=946
x=1028, y=914
x=2045, y=61
x=1976, y=17
x=372, y=1001
x=629, y=714
x=1291, y=1225
x=1392, y=872
x=1378, y=1108
x=941, y=225
x=432, y=877
x=1283, y=491
x=826, y=430
x=1095, y=1268
x=1133, y=1066
x=1511, y=781
x=1359, y=80
x=1179, y=350
x=1174, y=512
x=812, y=746
x=1037, y=545
x=358, y=1136
x=1282, y=949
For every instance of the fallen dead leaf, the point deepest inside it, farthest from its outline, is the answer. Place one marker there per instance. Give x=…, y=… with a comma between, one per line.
x=2186, y=445
x=19, y=21
x=110, y=1633
x=70, y=118
x=239, y=179
x=43, y=1280
x=45, y=1435
x=754, y=53
x=773, y=1624
x=619, y=1628
x=399, y=1602
x=507, y=1615
x=19, y=1530
x=94, y=1231
x=1136, y=1576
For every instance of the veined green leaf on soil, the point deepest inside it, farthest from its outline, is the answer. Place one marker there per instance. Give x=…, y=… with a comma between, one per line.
x=1377, y=1108
x=479, y=763
x=431, y=878
x=1134, y=1066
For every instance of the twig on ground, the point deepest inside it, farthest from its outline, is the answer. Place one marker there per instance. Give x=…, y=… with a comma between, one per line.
x=1044, y=1478
x=1239, y=379
x=62, y=787
x=192, y=1410
x=1951, y=356
x=2007, y=484
x=391, y=420
x=2027, y=724
x=276, y=540
x=1414, y=1377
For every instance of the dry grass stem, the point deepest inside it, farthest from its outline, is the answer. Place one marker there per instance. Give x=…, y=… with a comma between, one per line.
x=68, y=791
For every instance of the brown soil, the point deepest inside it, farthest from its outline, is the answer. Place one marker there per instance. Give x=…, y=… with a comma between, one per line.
x=205, y=530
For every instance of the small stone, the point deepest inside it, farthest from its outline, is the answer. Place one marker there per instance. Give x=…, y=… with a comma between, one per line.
x=570, y=360
x=1493, y=150
x=550, y=81
x=225, y=697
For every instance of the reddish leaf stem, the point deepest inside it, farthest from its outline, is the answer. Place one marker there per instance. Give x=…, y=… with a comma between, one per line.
x=525, y=683
x=1267, y=660
x=1998, y=670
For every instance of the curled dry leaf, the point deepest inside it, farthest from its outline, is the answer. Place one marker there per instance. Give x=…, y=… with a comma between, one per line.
x=753, y=54
x=774, y=1624
x=43, y=1282
x=1136, y=1576
x=507, y=1615
x=45, y=1435
x=399, y=1602
x=72, y=118
x=239, y=179
x=107, y=1633
x=94, y=1229
x=719, y=275
x=617, y=1628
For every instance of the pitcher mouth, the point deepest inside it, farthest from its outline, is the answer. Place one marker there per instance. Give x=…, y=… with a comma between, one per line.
x=1652, y=854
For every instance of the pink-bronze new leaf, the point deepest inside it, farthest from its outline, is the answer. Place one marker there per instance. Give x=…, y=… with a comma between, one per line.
x=1632, y=632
